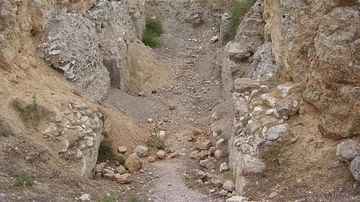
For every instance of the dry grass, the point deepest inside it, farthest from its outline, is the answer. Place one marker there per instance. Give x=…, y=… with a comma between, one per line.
x=5, y=129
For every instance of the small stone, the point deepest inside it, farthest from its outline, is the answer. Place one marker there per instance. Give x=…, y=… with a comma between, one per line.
x=218, y=154
x=347, y=150
x=84, y=197
x=201, y=174
x=151, y=158
x=214, y=39
x=237, y=199
x=108, y=173
x=120, y=169
x=141, y=93
x=216, y=182
x=141, y=151
x=355, y=168
x=174, y=155
x=223, y=192
x=273, y=195
x=133, y=163
x=99, y=167
x=161, y=154
x=220, y=143
x=123, y=179
x=202, y=155
x=229, y=185
x=211, y=151
x=194, y=154
x=224, y=167
x=276, y=132
x=205, y=145
x=149, y=120
x=122, y=149
x=197, y=131
x=206, y=164
x=172, y=107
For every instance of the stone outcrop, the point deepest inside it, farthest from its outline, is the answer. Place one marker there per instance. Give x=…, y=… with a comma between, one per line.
x=286, y=54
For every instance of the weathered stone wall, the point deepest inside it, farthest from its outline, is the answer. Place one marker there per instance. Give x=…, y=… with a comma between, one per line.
x=285, y=54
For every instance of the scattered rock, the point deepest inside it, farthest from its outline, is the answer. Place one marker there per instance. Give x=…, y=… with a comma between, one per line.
x=123, y=179
x=218, y=154
x=202, y=155
x=276, y=132
x=133, y=163
x=355, y=168
x=108, y=173
x=174, y=155
x=237, y=199
x=162, y=135
x=223, y=192
x=99, y=167
x=216, y=182
x=84, y=197
x=161, y=154
x=245, y=84
x=224, y=167
x=122, y=149
x=211, y=151
x=151, y=158
x=141, y=151
x=347, y=150
x=205, y=145
x=229, y=185
x=197, y=131
x=201, y=174
x=206, y=164
x=214, y=39
x=172, y=107
x=120, y=169
x=220, y=143
x=273, y=195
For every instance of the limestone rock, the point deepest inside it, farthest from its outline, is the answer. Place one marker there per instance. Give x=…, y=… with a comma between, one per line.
x=123, y=179
x=347, y=150
x=229, y=185
x=218, y=154
x=355, y=168
x=161, y=154
x=133, y=163
x=206, y=164
x=120, y=169
x=245, y=84
x=122, y=149
x=237, y=199
x=141, y=151
x=224, y=167
x=276, y=132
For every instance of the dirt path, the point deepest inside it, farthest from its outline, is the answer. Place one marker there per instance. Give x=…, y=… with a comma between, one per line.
x=194, y=92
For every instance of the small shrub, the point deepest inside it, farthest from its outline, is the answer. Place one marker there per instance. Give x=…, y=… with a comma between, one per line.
x=105, y=151
x=31, y=114
x=237, y=13
x=5, y=129
x=106, y=199
x=152, y=32
x=24, y=181
x=120, y=159
x=157, y=143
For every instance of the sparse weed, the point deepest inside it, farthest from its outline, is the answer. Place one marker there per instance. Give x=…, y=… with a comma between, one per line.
x=107, y=198
x=136, y=199
x=156, y=142
x=237, y=13
x=152, y=32
x=24, y=181
x=5, y=129
x=105, y=151
x=120, y=159
x=31, y=114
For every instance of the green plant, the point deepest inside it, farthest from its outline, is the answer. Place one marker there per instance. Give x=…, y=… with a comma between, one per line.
x=237, y=13
x=24, y=181
x=31, y=114
x=156, y=142
x=120, y=159
x=153, y=30
x=136, y=199
x=107, y=198
x=105, y=151
x=5, y=129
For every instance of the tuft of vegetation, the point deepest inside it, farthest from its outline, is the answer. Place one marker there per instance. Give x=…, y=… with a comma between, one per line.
x=120, y=159
x=5, y=129
x=105, y=151
x=24, y=181
x=32, y=114
x=107, y=198
x=152, y=32
x=156, y=142
x=237, y=13
x=136, y=199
